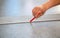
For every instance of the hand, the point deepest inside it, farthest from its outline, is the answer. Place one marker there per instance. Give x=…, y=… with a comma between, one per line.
x=38, y=11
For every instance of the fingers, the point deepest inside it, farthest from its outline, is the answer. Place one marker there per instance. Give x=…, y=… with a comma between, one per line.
x=34, y=11
x=37, y=12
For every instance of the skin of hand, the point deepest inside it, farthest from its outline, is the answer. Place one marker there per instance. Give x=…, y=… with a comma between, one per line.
x=40, y=10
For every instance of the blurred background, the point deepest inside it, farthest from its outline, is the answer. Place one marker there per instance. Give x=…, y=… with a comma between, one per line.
x=15, y=8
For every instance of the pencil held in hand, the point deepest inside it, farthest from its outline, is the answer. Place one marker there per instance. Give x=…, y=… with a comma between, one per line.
x=38, y=14
x=40, y=10
x=32, y=19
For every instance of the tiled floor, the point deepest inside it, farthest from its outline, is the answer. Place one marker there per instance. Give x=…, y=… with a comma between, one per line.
x=47, y=29
x=26, y=30
x=5, y=20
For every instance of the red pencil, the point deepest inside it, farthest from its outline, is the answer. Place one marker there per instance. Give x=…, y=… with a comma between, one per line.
x=32, y=19
x=36, y=15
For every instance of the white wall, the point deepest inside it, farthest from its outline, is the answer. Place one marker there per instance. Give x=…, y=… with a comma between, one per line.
x=22, y=7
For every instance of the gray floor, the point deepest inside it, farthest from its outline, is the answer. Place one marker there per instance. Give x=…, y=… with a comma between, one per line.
x=26, y=30
x=47, y=26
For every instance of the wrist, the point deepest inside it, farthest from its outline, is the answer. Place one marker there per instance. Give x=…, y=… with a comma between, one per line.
x=50, y=4
x=42, y=8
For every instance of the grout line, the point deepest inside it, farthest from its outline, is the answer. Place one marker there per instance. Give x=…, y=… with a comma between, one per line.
x=29, y=22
